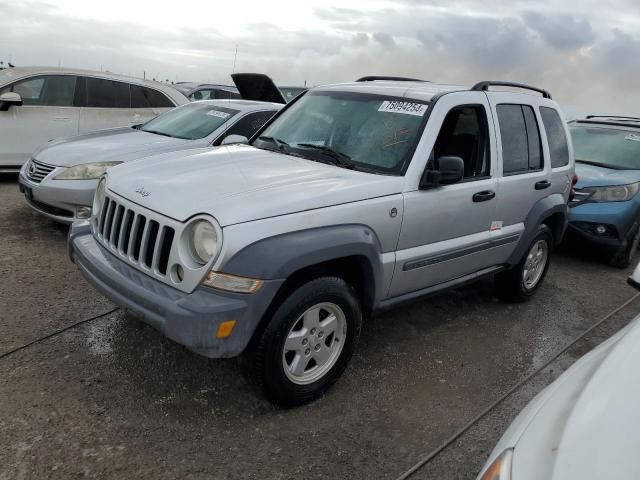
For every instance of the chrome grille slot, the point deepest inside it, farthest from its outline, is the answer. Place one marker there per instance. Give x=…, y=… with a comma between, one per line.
x=150, y=244
x=37, y=171
x=138, y=237
x=165, y=249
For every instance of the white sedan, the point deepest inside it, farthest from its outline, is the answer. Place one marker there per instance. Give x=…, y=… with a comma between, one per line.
x=585, y=425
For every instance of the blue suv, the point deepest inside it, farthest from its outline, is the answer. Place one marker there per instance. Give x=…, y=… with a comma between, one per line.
x=605, y=209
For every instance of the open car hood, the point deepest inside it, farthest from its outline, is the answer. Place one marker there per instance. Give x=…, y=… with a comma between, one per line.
x=258, y=87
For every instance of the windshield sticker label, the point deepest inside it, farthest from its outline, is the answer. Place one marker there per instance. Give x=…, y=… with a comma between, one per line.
x=409, y=108
x=633, y=137
x=216, y=113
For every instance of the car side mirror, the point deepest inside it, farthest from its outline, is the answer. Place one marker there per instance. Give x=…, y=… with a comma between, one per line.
x=234, y=139
x=8, y=99
x=450, y=170
x=634, y=279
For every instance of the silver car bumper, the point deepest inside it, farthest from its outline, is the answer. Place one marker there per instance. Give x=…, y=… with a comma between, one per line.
x=64, y=201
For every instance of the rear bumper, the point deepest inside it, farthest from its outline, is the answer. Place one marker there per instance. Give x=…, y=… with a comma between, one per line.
x=191, y=319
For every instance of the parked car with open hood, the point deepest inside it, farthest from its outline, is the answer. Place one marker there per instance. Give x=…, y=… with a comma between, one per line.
x=605, y=211
x=585, y=425
x=60, y=179
x=38, y=104
x=354, y=198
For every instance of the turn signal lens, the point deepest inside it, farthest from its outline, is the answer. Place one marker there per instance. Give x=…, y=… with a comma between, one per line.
x=225, y=329
x=500, y=469
x=232, y=283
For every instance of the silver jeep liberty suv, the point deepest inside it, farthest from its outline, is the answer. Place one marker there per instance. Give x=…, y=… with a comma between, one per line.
x=354, y=198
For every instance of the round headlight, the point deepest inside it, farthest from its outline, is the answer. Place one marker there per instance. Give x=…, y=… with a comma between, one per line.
x=204, y=241
x=98, y=197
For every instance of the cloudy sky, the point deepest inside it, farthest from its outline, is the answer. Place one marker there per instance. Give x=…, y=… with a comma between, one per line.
x=586, y=52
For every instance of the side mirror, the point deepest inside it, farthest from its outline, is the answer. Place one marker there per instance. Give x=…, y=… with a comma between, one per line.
x=634, y=279
x=233, y=139
x=450, y=170
x=9, y=98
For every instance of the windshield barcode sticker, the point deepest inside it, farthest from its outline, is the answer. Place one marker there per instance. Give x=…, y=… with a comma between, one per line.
x=409, y=108
x=633, y=137
x=216, y=113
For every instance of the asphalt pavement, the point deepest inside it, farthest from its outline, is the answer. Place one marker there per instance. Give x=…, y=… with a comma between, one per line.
x=109, y=397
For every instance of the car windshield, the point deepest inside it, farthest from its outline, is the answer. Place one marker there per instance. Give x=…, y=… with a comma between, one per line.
x=192, y=121
x=354, y=130
x=607, y=147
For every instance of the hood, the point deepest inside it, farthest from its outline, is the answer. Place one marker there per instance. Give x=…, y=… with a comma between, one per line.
x=240, y=183
x=122, y=144
x=586, y=425
x=257, y=86
x=593, y=176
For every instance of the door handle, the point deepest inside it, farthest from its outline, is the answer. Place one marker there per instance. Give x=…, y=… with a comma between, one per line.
x=541, y=185
x=484, y=196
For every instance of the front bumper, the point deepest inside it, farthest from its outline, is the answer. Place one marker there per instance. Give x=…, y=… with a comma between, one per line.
x=190, y=319
x=59, y=200
x=619, y=217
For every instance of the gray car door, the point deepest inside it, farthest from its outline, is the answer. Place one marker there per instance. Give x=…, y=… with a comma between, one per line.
x=447, y=231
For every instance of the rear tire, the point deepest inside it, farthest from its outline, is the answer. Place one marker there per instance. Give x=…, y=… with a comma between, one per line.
x=306, y=344
x=521, y=282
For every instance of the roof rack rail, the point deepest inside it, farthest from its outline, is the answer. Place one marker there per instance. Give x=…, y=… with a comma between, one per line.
x=484, y=86
x=373, y=78
x=617, y=117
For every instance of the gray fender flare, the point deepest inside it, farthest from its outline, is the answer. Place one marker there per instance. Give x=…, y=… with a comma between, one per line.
x=280, y=256
x=543, y=209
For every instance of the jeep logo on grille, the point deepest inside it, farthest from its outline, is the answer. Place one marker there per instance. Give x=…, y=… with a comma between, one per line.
x=143, y=192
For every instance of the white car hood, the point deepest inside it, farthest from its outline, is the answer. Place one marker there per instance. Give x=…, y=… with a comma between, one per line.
x=240, y=183
x=586, y=425
x=115, y=144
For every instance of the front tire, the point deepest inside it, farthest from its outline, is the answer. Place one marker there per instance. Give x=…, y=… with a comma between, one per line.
x=521, y=282
x=306, y=344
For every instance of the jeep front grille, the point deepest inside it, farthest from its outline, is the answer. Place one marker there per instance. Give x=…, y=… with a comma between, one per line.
x=135, y=236
x=37, y=171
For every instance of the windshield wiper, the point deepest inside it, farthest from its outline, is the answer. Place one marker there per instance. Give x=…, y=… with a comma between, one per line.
x=158, y=133
x=338, y=158
x=281, y=144
x=599, y=164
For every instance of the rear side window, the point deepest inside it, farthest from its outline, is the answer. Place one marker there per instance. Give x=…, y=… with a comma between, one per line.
x=143, y=97
x=100, y=93
x=247, y=125
x=521, y=149
x=558, y=147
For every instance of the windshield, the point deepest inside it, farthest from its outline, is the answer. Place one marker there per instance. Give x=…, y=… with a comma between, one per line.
x=352, y=130
x=192, y=121
x=607, y=147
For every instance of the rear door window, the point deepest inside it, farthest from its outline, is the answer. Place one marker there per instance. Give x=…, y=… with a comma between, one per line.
x=101, y=93
x=558, y=146
x=520, y=135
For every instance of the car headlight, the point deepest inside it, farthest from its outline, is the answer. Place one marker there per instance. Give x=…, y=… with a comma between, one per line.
x=618, y=193
x=203, y=241
x=98, y=197
x=500, y=469
x=86, y=171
